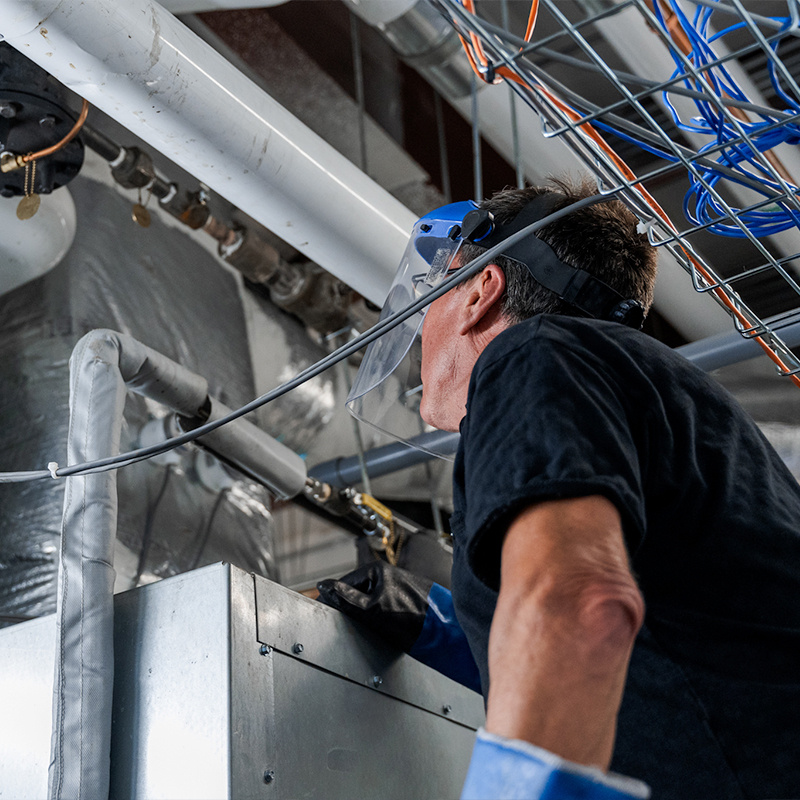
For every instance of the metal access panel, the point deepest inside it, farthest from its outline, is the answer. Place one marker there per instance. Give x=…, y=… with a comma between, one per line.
x=230, y=686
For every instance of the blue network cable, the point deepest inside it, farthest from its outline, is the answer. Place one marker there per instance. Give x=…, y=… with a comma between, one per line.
x=731, y=150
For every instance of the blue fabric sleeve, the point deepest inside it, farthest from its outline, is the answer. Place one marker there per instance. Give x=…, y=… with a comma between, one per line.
x=516, y=770
x=442, y=644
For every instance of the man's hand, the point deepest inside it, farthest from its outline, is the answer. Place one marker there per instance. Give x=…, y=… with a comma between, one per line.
x=413, y=613
x=562, y=634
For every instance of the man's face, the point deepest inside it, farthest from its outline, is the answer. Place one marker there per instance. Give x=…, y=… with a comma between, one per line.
x=442, y=405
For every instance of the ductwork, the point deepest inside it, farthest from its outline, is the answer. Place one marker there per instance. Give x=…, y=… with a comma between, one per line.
x=144, y=68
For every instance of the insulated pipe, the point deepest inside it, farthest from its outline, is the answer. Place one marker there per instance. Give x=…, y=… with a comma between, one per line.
x=148, y=71
x=252, y=451
x=103, y=367
x=84, y=671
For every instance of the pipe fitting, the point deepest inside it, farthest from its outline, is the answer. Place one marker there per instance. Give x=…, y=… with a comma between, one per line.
x=9, y=162
x=135, y=171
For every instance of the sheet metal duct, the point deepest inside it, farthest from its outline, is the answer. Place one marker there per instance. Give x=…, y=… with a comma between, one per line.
x=147, y=70
x=167, y=291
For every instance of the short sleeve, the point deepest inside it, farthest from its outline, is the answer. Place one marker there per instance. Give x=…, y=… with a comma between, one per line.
x=544, y=421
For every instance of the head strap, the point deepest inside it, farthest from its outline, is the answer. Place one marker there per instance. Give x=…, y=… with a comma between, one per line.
x=575, y=286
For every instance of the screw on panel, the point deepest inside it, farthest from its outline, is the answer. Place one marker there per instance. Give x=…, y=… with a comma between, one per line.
x=265, y=649
x=377, y=680
x=298, y=648
x=446, y=708
x=269, y=775
x=8, y=110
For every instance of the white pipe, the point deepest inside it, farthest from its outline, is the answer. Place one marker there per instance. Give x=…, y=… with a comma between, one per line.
x=199, y=6
x=141, y=66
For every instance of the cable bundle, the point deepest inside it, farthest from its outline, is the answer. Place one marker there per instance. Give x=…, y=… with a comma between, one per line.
x=738, y=141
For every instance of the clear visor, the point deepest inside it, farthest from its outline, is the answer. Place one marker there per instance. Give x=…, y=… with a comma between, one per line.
x=388, y=387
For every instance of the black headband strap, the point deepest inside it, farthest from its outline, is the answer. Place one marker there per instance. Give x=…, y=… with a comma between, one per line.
x=575, y=286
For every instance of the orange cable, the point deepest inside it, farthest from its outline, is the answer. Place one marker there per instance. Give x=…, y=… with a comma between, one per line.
x=534, y=13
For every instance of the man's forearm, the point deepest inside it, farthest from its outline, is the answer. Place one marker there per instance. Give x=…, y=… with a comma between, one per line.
x=563, y=630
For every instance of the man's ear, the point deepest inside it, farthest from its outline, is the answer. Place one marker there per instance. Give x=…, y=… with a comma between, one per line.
x=482, y=297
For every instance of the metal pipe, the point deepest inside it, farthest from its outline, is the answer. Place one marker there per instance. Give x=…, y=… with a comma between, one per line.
x=725, y=349
x=444, y=162
x=512, y=105
x=247, y=448
x=477, y=163
x=136, y=62
x=384, y=460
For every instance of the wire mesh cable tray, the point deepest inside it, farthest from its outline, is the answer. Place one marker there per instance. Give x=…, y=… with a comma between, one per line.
x=715, y=118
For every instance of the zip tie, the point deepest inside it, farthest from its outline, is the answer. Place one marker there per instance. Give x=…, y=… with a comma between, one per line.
x=645, y=227
x=53, y=468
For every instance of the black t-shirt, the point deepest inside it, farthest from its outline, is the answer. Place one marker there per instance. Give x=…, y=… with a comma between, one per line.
x=567, y=407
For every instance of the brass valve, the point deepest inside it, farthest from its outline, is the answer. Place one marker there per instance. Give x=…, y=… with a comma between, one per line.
x=9, y=162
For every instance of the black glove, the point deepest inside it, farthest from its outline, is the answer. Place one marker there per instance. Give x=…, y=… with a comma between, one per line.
x=387, y=599
x=414, y=614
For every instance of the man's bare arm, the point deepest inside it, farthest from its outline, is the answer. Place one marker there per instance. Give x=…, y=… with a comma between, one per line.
x=566, y=619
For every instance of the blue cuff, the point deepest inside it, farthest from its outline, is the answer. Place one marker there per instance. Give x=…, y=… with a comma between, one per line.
x=514, y=770
x=442, y=645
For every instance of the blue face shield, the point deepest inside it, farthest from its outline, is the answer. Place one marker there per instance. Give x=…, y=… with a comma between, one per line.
x=389, y=378
x=388, y=383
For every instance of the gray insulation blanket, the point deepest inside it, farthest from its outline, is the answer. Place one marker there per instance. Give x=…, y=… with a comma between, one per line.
x=166, y=291
x=102, y=368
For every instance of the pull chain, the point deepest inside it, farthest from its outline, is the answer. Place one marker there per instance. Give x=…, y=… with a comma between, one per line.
x=139, y=213
x=30, y=203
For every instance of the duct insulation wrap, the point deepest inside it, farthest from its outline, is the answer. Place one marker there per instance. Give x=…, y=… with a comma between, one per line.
x=176, y=512
x=84, y=670
x=104, y=366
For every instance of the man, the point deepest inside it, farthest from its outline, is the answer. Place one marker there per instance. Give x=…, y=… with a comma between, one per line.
x=626, y=548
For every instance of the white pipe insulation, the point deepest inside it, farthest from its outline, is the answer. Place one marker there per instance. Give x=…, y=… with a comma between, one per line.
x=144, y=68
